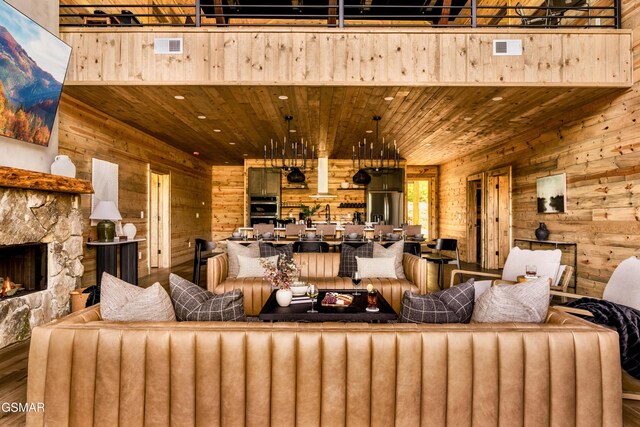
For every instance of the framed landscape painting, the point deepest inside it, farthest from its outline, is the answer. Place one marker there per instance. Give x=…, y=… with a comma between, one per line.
x=33, y=64
x=551, y=191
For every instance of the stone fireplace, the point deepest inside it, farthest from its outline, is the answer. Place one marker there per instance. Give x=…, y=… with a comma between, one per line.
x=45, y=211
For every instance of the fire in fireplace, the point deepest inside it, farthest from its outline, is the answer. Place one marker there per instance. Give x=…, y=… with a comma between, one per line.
x=23, y=268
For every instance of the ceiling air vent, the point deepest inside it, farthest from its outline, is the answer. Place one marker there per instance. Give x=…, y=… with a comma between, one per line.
x=167, y=46
x=507, y=47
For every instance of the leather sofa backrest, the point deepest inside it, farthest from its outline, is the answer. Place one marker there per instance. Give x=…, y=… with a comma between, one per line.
x=250, y=373
x=318, y=264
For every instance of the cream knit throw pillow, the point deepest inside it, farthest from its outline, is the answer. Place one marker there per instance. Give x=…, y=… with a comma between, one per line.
x=522, y=302
x=122, y=301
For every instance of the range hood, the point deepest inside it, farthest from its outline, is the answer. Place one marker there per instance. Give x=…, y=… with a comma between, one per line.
x=323, y=180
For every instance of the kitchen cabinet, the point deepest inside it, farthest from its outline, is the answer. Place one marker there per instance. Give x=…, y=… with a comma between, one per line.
x=387, y=180
x=264, y=182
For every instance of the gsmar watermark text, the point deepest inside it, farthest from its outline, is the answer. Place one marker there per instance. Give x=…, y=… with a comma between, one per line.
x=22, y=407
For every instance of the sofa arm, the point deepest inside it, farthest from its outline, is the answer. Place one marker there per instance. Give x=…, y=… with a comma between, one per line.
x=415, y=270
x=217, y=270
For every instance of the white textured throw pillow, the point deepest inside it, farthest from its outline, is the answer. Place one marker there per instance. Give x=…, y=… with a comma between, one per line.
x=376, y=268
x=395, y=251
x=234, y=249
x=522, y=302
x=252, y=267
x=122, y=301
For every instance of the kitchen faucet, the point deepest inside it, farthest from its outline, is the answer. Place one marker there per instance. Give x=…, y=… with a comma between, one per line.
x=327, y=214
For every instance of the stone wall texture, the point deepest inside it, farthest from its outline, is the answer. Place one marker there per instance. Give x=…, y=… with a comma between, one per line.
x=28, y=216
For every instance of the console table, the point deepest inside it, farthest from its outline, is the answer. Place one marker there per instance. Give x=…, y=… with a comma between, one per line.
x=557, y=245
x=107, y=259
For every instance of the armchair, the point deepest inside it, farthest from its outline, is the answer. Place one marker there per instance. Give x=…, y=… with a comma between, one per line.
x=547, y=262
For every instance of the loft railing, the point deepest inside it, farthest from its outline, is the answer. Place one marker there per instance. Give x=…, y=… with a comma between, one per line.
x=350, y=13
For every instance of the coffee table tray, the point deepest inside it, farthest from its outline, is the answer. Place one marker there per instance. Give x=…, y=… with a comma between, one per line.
x=355, y=312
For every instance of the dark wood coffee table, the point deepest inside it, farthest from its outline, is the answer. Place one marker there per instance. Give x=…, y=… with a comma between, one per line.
x=354, y=313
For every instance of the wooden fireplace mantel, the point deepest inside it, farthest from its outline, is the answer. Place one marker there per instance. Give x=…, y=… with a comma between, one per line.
x=20, y=178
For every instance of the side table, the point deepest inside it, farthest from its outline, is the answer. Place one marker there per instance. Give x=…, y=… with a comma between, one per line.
x=107, y=259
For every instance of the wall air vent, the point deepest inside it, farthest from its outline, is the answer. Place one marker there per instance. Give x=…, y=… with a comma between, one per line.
x=167, y=46
x=507, y=47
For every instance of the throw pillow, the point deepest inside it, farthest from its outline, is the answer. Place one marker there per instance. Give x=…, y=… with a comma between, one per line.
x=234, y=249
x=348, y=264
x=453, y=305
x=522, y=302
x=395, y=251
x=191, y=302
x=125, y=302
x=381, y=268
x=252, y=267
x=269, y=250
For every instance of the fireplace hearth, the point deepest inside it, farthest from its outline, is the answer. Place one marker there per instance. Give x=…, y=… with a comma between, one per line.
x=41, y=248
x=23, y=269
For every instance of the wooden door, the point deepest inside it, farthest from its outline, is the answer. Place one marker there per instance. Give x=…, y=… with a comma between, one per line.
x=475, y=207
x=159, y=221
x=498, y=217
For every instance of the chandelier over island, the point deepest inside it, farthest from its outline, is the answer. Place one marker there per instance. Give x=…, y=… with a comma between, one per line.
x=375, y=161
x=291, y=156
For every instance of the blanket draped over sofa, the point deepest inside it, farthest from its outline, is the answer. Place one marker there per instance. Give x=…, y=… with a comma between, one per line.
x=88, y=371
x=626, y=322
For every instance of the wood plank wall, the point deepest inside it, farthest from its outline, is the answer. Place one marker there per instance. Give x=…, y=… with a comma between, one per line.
x=598, y=147
x=376, y=57
x=86, y=133
x=227, y=200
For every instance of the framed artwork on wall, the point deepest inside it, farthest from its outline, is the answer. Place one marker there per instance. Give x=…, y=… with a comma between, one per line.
x=552, y=193
x=32, y=71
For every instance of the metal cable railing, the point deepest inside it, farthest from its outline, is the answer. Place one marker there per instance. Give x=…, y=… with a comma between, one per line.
x=347, y=13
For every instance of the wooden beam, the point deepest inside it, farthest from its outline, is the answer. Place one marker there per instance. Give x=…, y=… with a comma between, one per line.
x=20, y=178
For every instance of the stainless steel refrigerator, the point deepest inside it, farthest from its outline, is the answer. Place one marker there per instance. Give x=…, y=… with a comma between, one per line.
x=387, y=206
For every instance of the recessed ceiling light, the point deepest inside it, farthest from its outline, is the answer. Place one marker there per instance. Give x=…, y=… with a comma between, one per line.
x=428, y=145
x=196, y=153
x=467, y=119
x=202, y=117
x=368, y=131
x=232, y=143
x=497, y=98
x=292, y=131
x=245, y=154
x=283, y=97
x=226, y=163
x=179, y=97
x=217, y=130
x=388, y=98
x=402, y=93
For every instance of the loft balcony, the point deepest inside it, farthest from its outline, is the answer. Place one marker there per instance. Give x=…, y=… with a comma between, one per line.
x=345, y=13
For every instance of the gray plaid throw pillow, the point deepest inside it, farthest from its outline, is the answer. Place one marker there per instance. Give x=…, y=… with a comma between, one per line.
x=348, y=263
x=453, y=305
x=268, y=250
x=191, y=302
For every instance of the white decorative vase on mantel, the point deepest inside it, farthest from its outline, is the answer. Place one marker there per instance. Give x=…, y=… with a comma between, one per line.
x=284, y=297
x=63, y=166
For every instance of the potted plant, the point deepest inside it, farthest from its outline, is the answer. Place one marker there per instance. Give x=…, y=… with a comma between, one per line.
x=281, y=275
x=307, y=212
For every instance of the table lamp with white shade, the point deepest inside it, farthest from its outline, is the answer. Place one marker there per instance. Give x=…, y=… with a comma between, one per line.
x=106, y=212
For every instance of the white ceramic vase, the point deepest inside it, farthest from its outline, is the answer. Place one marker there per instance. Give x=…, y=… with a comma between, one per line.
x=63, y=166
x=283, y=297
x=129, y=230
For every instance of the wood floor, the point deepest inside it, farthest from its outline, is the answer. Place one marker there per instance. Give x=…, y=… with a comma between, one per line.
x=13, y=364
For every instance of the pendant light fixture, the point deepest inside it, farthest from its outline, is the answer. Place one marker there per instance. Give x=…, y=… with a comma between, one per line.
x=376, y=163
x=292, y=157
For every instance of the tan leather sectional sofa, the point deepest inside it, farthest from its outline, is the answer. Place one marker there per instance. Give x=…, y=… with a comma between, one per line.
x=92, y=372
x=322, y=269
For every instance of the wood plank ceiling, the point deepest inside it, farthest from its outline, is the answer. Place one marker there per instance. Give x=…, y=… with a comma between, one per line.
x=431, y=125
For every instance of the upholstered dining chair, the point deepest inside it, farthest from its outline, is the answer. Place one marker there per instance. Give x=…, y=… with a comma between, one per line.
x=449, y=245
x=412, y=230
x=294, y=229
x=353, y=228
x=380, y=228
x=260, y=229
x=326, y=230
